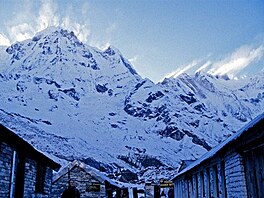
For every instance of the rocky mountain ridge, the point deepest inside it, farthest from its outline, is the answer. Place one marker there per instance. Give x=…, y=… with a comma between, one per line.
x=73, y=101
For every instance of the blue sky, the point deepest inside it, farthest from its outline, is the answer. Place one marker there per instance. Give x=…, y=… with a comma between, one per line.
x=159, y=37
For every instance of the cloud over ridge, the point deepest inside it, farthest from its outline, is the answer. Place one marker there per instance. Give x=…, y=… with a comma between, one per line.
x=19, y=28
x=231, y=64
x=238, y=60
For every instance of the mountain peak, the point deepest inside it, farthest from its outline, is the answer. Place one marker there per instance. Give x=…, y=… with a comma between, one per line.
x=57, y=32
x=49, y=30
x=57, y=55
x=111, y=50
x=114, y=119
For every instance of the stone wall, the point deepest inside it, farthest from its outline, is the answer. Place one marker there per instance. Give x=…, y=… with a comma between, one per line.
x=6, y=156
x=82, y=180
x=30, y=180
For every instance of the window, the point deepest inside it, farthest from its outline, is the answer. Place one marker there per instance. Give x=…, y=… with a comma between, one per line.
x=40, y=178
x=20, y=176
x=215, y=181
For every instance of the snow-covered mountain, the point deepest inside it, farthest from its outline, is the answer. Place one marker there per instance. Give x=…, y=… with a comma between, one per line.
x=73, y=101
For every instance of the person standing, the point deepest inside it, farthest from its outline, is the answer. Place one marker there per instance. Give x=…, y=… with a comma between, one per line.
x=71, y=191
x=162, y=195
x=171, y=193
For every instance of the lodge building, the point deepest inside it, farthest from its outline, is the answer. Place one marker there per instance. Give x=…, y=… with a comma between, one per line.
x=232, y=169
x=24, y=171
x=89, y=181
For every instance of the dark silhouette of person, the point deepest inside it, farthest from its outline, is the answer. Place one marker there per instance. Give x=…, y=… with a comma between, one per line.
x=162, y=195
x=171, y=193
x=71, y=191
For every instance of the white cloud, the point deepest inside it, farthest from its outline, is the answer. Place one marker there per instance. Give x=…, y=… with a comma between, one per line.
x=111, y=28
x=238, y=60
x=24, y=25
x=233, y=64
x=133, y=60
x=81, y=30
x=183, y=69
x=204, y=66
x=105, y=41
x=47, y=15
x=4, y=40
x=100, y=44
x=21, y=32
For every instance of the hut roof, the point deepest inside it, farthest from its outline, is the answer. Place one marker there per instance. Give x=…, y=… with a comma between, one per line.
x=88, y=169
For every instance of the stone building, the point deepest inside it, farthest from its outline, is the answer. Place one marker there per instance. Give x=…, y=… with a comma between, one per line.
x=232, y=169
x=24, y=171
x=89, y=181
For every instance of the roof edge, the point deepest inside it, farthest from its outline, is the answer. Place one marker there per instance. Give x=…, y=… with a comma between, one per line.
x=208, y=155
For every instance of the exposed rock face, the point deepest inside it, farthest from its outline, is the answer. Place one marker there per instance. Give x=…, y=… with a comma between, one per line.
x=73, y=101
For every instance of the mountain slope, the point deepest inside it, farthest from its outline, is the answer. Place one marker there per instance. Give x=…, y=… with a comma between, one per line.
x=73, y=101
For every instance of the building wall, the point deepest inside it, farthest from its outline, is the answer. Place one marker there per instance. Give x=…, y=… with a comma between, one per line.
x=219, y=178
x=30, y=180
x=82, y=180
x=254, y=171
x=6, y=156
x=235, y=175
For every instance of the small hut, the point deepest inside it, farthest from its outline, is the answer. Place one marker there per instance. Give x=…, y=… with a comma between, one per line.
x=89, y=181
